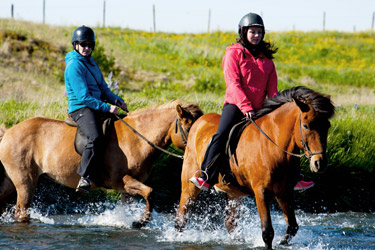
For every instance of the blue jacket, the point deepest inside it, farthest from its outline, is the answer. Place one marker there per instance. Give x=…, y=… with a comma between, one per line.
x=83, y=89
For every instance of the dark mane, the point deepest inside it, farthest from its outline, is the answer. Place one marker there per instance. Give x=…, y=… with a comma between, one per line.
x=319, y=102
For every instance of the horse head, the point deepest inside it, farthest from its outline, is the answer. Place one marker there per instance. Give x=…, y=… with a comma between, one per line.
x=313, y=124
x=187, y=114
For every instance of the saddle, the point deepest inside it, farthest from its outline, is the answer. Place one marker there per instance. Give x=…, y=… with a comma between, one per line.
x=234, y=137
x=80, y=139
x=230, y=149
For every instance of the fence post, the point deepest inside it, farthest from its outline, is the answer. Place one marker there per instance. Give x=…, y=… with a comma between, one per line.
x=104, y=14
x=12, y=11
x=209, y=20
x=153, y=16
x=44, y=11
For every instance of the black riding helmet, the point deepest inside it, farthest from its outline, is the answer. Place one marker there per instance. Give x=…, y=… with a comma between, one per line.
x=83, y=34
x=248, y=20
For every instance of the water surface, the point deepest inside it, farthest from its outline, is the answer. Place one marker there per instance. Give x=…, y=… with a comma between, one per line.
x=106, y=225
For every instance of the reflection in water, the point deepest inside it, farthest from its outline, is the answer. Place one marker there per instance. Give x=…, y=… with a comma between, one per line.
x=110, y=228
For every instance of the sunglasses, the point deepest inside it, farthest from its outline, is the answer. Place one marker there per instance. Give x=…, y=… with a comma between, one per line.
x=87, y=44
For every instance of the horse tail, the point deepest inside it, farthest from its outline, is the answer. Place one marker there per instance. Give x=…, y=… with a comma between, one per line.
x=6, y=185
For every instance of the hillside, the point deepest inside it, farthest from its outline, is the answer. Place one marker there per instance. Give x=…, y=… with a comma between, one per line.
x=340, y=64
x=154, y=68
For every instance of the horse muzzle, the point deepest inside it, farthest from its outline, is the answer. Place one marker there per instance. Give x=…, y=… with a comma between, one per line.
x=318, y=163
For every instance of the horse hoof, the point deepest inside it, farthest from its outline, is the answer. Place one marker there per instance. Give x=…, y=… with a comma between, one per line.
x=138, y=224
x=22, y=219
x=285, y=240
x=178, y=228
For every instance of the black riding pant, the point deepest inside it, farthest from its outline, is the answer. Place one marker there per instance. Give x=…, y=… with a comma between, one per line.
x=215, y=153
x=88, y=121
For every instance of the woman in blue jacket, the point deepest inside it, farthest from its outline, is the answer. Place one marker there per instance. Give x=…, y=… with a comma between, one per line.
x=87, y=96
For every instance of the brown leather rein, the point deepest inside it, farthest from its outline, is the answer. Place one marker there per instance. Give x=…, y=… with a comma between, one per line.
x=303, y=142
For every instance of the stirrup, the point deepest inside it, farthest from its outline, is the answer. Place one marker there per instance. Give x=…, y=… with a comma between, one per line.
x=199, y=182
x=202, y=171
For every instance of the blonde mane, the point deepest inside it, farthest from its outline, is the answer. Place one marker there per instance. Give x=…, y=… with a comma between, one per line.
x=193, y=108
x=2, y=131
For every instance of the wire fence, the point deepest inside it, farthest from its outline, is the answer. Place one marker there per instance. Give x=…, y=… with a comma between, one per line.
x=153, y=21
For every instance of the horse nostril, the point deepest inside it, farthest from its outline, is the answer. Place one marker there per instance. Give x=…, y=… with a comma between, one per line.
x=317, y=164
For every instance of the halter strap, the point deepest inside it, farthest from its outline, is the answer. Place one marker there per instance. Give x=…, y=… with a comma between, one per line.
x=182, y=131
x=304, y=144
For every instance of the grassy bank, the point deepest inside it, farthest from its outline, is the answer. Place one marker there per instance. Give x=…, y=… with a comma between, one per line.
x=154, y=68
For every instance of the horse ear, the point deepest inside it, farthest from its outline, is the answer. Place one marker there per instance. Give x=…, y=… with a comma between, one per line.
x=181, y=112
x=302, y=104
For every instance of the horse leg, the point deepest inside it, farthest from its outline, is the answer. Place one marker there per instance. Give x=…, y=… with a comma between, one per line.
x=188, y=195
x=6, y=187
x=286, y=204
x=135, y=187
x=232, y=214
x=126, y=198
x=25, y=193
x=263, y=199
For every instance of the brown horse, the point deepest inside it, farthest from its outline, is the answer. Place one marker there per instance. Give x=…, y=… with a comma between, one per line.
x=295, y=119
x=45, y=146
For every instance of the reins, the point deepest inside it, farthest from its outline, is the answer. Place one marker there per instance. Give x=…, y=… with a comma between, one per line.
x=293, y=154
x=149, y=143
x=304, y=144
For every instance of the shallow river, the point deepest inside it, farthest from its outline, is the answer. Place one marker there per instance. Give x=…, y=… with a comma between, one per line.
x=108, y=226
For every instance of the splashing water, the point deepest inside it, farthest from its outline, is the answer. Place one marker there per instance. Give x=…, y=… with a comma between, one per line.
x=109, y=226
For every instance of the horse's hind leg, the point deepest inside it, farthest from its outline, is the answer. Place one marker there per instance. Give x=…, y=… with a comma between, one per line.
x=25, y=193
x=286, y=204
x=6, y=187
x=135, y=187
x=24, y=179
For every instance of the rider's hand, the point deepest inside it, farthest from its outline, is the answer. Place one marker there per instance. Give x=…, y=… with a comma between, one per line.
x=113, y=109
x=249, y=114
x=124, y=107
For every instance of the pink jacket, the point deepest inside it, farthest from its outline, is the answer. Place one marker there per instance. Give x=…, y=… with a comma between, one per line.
x=248, y=80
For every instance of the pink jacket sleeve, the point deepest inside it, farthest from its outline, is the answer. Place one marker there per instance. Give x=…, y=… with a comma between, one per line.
x=232, y=78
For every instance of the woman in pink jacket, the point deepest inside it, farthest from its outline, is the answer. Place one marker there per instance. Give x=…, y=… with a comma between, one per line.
x=250, y=77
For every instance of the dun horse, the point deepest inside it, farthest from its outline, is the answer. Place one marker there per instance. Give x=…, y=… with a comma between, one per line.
x=297, y=119
x=45, y=146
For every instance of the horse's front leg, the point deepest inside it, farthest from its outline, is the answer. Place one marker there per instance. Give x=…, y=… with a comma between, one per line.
x=232, y=214
x=263, y=198
x=287, y=205
x=135, y=187
x=188, y=195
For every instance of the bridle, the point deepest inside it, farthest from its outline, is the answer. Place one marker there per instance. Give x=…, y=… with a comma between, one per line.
x=303, y=142
x=182, y=131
